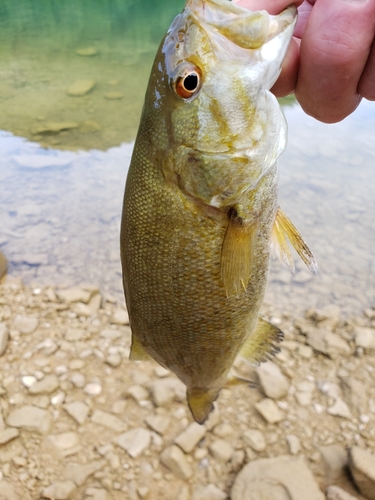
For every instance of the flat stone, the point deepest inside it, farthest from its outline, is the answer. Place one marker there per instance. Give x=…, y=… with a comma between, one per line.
x=108, y=420
x=337, y=493
x=7, y=435
x=60, y=490
x=25, y=324
x=273, y=383
x=65, y=443
x=280, y=478
x=165, y=390
x=340, y=409
x=30, y=418
x=114, y=95
x=190, y=437
x=362, y=468
x=4, y=338
x=71, y=295
x=173, y=458
x=364, y=337
x=255, y=439
x=77, y=410
x=79, y=474
x=294, y=444
x=87, y=52
x=221, y=450
x=135, y=441
x=120, y=317
x=80, y=87
x=209, y=492
x=270, y=411
x=47, y=385
x=159, y=423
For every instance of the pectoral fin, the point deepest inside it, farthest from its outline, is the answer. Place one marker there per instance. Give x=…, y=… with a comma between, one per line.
x=137, y=352
x=283, y=228
x=262, y=343
x=237, y=254
x=201, y=403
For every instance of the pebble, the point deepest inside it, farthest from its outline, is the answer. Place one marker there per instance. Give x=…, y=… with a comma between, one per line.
x=60, y=490
x=4, y=338
x=364, y=337
x=221, y=450
x=175, y=459
x=96, y=494
x=255, y=439
x=340, y=409
x=279, y=478
x=108, y=420
x=223, y=430
x=75, y=294
x=79, y=474
x=120, y=317
x=334, y=462
x=30, y=418
x=270, y=411
x=190, y=437
x=273, y=383
x=25, y=324
x=158, y=423
x=93, y=389
x=7, y=435
x=65, y=443
x=165, y=390
x=209, y=492
x=47, y=385
x=337, y=493
x=87, y=52
x=137, y=392
x=362, y=468
x=80, y=87
x=294, y=444
x=78, y=380
x=135, y=441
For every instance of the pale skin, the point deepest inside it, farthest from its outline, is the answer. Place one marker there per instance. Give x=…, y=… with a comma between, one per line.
x=330, y=64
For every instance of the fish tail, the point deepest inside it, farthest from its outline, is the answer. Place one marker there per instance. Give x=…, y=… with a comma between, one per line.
x=201, y=403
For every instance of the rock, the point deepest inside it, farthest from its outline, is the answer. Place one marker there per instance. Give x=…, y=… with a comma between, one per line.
x=334, y=462
x=364, y=337
x=339, y=409
x=327, y=343
x=93, y=389
x=25, y=324
x=269, y=411
x=79, y=474
x=221, y=450
x=355, y=392
x=190, y=437
x=274, y=384
x=165, y=390
x=362, y=468
x=60, y=490
x=114, y=360
x=30, y=418
x=294, y=444
x=114, y=95
x=10, y=450
x=337, y=493
x=64, y=444
x=96, y=494
x=173, y=458
x=45, y=386
x=71, y=295
x=135, y=441
x=120, y=317
x=209, y=492
x=40, y=161
x=280, y=478
x=223, y=430
x=238, y=459
x=137, y=392
x=158, y=423
x=255, y=439
x=4, y=338
x=108, y=420
x=78, y=380
x=87, y=52
x=7, y=492
x=75, y=334
x=7, y=435
x=80, y=87
x=3, y=264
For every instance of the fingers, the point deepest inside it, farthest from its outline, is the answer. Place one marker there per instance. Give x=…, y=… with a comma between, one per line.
x=271, y=6
x=334, y=51
x=289, y=70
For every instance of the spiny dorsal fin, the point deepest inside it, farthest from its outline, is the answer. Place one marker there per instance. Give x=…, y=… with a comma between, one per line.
x=283, y=228
x=201, y=403
x=137, y=352
x=237, y=254
x=262, y=343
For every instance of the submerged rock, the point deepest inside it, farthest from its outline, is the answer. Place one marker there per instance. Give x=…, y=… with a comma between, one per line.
x=80, y=87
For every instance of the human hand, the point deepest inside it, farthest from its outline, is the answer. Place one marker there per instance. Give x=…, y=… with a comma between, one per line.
x=335, y=66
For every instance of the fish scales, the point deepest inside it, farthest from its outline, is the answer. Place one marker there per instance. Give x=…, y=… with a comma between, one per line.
x=200, y=202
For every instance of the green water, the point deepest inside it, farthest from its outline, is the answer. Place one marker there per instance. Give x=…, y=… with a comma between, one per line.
x=38, y=63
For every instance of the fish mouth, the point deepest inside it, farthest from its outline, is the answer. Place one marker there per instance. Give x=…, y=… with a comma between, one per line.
x=247, y=29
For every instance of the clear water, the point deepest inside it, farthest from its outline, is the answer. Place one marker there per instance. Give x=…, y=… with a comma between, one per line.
x=61, y=191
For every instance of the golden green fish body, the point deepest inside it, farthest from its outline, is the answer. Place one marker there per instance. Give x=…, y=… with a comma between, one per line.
x=201, y=193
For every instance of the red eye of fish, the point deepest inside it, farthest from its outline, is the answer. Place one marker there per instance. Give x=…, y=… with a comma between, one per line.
x=188, y=83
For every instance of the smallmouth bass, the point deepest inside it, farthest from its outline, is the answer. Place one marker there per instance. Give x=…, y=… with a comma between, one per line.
x=200, y=211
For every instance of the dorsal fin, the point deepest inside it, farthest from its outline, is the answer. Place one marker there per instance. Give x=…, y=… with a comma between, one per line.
x=283, y=228
x=262, y=343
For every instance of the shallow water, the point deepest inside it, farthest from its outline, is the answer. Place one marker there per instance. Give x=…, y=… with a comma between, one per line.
x=60, y=210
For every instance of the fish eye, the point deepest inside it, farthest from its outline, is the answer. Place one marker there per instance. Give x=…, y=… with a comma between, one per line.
x=188, y=82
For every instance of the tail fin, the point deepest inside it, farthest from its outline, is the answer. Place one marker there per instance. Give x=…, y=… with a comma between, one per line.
x=200, y=402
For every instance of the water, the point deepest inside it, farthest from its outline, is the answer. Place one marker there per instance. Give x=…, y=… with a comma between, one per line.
x=61, y=191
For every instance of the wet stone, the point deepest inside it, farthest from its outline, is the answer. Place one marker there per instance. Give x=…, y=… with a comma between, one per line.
x=173, y=458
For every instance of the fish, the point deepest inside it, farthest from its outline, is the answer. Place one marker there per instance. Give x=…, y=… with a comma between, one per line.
x=200, y=214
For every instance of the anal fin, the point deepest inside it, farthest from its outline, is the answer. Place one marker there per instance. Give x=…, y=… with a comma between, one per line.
x=201, y=403
x=262, y=343
x=137, y=352
x=283, y=228
x=237, y=254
